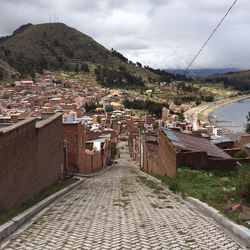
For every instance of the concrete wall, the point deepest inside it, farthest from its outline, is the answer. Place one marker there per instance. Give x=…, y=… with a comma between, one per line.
x=31, y=158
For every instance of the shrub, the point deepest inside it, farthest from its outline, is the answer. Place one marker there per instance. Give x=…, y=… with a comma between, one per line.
x=243, y=188
x=240, y=154
x=174, y=185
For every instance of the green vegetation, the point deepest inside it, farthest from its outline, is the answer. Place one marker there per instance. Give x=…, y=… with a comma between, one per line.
x=117, y=78
x=152, y=107
x=237, y=80
x=241, y=154
x=139, y=112
x=220, y=189
x=90, y=107
x=121, y=202
x=8, y=215
x=165, y=76
x=55, y=46
x=248, y=123
x=1, y=74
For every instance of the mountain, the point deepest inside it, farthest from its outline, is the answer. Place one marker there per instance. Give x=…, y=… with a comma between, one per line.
x=7, y=71
x=239, y=80
x=202, y=72
x=55, y=46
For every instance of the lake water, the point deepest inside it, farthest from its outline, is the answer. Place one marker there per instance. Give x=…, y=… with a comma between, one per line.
x=232, y=116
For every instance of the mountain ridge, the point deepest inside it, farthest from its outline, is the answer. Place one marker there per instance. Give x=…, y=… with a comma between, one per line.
x=57, y=46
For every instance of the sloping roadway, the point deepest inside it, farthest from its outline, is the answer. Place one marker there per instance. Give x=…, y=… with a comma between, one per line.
x=119, y=209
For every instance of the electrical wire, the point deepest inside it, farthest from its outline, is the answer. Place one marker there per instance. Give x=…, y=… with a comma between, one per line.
x=205, y=44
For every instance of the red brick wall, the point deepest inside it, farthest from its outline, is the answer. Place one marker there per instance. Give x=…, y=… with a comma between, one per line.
x=202, y=161
x=192, y=159
x=117, y=127
x=30, y=159
x=225, y=164
x=50, y=152
x=92, y=162
x=97, y=161
x=167, y=155
x=91, y=135
x=74, y=135
x=244, y=140
x=87, y=165
x=161, y=160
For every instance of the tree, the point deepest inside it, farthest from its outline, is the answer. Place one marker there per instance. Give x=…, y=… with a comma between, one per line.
x=76, y=69
x=85, y=67
x=90, y=107
x=248, y=123
x=139, y=64
x=1, y=74
x=197, y=102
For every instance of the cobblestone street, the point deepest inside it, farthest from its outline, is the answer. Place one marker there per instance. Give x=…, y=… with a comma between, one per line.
x=119, y=209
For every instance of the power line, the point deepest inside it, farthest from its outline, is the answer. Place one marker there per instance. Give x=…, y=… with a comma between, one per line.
x=204, y=45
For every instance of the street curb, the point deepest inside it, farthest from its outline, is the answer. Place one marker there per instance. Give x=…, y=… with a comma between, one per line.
x=239, y=232
x=94, y=174
x=11, y=226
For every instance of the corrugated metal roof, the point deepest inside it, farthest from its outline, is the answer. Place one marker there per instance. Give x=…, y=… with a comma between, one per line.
x=97, y=140
x=247, y=145
x=191, y=143
x=236, y=136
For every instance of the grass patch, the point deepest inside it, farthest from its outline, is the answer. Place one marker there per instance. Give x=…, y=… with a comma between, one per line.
x=153, y=205
x=8, y=215
x=121, y=202
x=189, y=240
x=220, y=189
x=149, y=183
x=181, y=233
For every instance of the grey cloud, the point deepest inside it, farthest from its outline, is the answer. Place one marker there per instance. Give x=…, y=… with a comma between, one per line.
x=18, y=3
x=161, y=33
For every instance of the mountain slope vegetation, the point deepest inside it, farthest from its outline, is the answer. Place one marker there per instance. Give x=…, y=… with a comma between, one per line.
x=55, y=46
x=237, y=80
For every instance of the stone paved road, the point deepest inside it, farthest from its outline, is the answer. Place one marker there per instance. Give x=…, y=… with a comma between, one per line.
x=120, y=210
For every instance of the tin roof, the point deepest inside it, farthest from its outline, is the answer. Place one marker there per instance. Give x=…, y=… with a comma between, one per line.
x=236, y=136
x=191, y=143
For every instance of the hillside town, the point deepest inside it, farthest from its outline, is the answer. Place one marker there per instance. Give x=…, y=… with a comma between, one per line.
x=94, y=120
x=124, y=137
x=78, y=132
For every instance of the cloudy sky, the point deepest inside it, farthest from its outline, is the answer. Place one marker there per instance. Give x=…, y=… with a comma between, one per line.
x=159, y=33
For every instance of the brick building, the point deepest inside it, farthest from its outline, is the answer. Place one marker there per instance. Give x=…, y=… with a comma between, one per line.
x=74, y=135
x=87, y=150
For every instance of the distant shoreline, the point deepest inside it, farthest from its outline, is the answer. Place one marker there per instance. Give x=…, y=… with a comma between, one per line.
x=221, y=103
x=203, y=112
